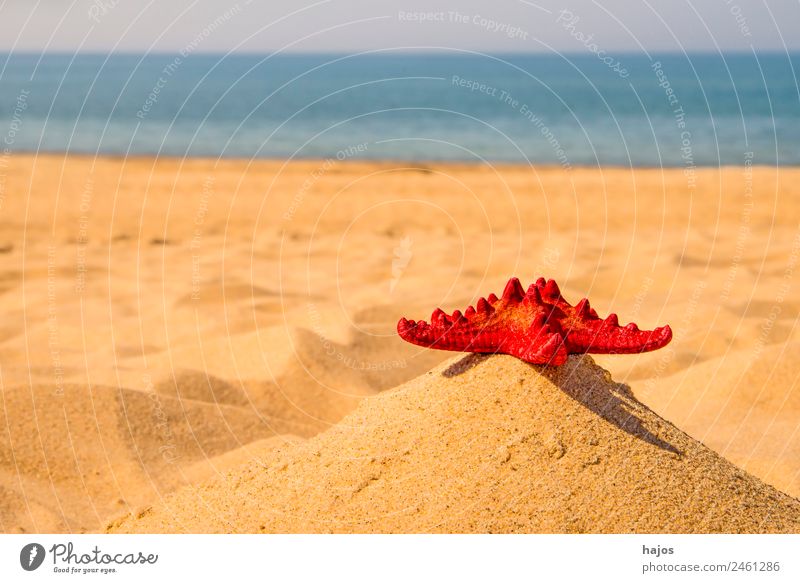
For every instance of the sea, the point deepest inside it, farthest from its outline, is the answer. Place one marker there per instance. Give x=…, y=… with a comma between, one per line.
x=671, y=110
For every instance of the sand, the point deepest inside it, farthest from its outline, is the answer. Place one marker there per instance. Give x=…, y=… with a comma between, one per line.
x=170, y=322
x=487, y=444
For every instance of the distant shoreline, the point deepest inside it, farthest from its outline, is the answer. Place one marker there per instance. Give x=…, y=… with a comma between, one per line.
x=376, y=161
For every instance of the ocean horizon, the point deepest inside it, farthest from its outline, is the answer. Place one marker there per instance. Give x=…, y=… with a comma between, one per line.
x=668, y=109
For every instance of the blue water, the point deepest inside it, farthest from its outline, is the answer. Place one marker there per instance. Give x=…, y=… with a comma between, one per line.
x=567, y=110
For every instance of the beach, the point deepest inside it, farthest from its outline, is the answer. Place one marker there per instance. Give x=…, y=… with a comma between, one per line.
x=203, y=345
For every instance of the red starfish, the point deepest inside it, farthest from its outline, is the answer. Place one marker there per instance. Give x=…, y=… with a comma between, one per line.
x=539, y=327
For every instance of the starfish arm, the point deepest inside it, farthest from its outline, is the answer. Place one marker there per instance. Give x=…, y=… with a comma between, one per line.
x=446, y=333
x=599, y=337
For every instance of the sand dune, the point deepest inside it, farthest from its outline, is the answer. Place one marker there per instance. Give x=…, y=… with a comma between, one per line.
x=487, y=444
x=732, y=405
x=80, y=453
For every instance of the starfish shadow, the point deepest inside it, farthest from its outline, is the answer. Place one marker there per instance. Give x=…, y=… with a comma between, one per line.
x=591, y=386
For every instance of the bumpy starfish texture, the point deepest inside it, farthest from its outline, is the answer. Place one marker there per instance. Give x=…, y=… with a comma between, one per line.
x=538, y=326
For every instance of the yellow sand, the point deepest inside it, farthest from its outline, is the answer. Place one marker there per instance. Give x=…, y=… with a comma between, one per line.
x=167, y=321
x=487, y=444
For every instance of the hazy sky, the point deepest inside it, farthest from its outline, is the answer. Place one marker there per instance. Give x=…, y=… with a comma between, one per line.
x=353, y=25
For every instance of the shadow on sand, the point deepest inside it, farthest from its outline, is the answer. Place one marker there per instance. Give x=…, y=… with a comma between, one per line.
x=592, y=387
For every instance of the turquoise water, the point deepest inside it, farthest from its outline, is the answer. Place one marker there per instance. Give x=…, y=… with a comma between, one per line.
x=668, y=110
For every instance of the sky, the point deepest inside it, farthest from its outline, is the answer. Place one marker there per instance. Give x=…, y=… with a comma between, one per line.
x=347, y=26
